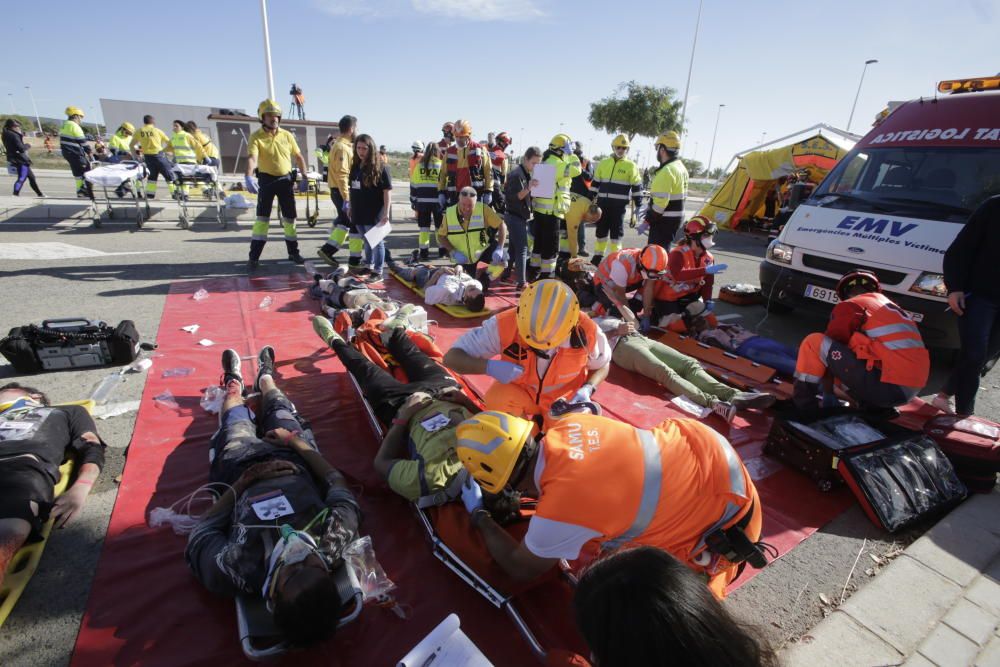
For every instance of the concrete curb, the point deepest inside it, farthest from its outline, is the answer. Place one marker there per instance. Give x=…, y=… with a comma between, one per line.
x=937, y=604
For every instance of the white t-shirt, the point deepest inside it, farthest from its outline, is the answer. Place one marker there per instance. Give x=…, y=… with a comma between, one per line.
x=619, y=273
x=547, y=538
x=609, y=326
x=483, y=342
x=449, y=289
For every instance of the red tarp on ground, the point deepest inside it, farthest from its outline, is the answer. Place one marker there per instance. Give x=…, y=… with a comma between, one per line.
x=145, y=607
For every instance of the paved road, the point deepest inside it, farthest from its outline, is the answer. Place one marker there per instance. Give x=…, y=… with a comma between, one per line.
x=117, y=272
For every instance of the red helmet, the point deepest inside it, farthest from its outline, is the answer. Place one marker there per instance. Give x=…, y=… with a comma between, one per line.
x=448, y=127
x=857, y=278
x=699, y=226
x=653, y=258
x=503, y=140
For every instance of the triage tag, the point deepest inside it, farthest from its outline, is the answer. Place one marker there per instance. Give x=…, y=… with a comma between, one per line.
x=435, y=422
x=271, y=505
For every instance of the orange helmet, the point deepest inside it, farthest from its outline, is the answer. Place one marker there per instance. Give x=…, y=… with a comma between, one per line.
x=653, y=258
x=699, y=226
x=463, y=128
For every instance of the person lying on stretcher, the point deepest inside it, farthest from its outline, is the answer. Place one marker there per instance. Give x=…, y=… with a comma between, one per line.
x=417, y=456
x=34, y=440
x=676, y=371
x=286, y=517
x=447, y=285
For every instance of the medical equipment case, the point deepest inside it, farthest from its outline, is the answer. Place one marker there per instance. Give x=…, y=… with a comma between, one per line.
x=972, y=444
x=71, y=342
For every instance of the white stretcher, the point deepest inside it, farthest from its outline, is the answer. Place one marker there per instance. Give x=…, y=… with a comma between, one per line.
x=109, y=177
x=314, y=178
x=207, y=178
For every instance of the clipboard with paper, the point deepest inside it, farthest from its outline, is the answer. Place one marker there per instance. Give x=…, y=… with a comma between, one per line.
x=545, y=174
x=377, y=234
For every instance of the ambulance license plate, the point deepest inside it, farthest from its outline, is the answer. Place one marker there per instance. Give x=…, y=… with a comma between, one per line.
x=830, y=296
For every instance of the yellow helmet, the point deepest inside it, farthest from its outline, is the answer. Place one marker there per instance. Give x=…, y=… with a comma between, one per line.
x=489, y=445
x=74, y=111
x=268, y=106
x=128, y=127
x=621, y=141
x=547, y=313
x=560, y=142
x=463, y=128
x=669, y=140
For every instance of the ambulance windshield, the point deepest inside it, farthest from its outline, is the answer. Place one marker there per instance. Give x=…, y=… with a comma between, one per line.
x=933, y=183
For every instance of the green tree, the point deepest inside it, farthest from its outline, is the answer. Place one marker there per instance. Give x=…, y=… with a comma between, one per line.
x=637, y=110
x=694, y=167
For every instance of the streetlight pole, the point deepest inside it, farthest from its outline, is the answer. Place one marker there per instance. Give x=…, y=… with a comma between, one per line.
x=687, y=87
x=13, y=109
x=35, y=107
x=858, y=94
x=711, y=152
x=763, y=136
x=267, y=52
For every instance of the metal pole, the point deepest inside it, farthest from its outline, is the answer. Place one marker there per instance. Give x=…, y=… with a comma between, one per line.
x=267, y=51
x=858, y=94
x=687, y=87
x=35, y=107
x=13, y=109
x=711, y=152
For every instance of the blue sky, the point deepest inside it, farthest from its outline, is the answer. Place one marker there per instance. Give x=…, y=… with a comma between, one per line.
x=405, y=66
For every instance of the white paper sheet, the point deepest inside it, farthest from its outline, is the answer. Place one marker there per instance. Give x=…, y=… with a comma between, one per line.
x=375, y=235
x=445, y=646
x=545, y=174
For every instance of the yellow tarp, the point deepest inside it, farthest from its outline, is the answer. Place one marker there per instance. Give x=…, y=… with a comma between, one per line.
x=744, y=190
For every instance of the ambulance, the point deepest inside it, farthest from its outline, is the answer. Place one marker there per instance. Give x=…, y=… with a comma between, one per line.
x=893, y=205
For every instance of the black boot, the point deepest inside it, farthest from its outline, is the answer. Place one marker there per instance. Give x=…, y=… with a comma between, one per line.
x=256, y=250
x=293, y=252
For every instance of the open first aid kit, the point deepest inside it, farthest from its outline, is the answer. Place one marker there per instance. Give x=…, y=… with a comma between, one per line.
x=71, y=342
x=898, y=476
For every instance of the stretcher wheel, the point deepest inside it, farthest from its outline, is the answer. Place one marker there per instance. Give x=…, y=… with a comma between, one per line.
x=111, y=213
x=184, y=224
x=312, y=220
x=97, y=221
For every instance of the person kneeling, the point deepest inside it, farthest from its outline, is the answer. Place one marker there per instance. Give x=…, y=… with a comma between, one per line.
x=286, y=518
x=679, y=486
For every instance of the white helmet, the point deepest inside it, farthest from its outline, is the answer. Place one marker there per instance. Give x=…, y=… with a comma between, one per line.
x=417, y=145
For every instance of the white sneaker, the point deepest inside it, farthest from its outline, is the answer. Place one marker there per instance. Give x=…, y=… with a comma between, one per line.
x=944, y=403
x=400, y=319
x=725, y=410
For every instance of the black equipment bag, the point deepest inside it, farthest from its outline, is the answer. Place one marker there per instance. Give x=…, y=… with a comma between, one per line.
x=73, y=342
x=900, y=482
x=814, y=445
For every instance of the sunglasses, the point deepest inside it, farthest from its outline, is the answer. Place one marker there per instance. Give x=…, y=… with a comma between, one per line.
x=467, y=194
x=620, y=148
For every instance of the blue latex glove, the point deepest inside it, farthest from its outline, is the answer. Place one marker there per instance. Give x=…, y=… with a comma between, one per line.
x=568, y=149
x=499, y=256
x=583, y=394
x=459, y=257
x=715, y=268
x=472, y=495
x=304, y=185
x=503, y=371
x=710, y=305
x=487, y=198
x=644, y=324
x=251, y=184
x=643, y=228
x=443, y=201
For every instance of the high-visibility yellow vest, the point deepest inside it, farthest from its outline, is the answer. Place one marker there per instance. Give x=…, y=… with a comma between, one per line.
x=471, y=240
x=184, y=150
x=120, y=143
x=424, y=182
x=616, y=181
x=669, y=188
x=208, y=149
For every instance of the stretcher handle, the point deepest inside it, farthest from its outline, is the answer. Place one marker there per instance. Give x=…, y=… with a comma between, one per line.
x=47, y=324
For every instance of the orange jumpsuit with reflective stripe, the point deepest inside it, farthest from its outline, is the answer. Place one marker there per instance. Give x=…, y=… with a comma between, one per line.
x=668, y=487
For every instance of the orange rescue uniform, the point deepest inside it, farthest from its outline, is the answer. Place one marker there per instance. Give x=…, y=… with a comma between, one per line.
x=667, y=487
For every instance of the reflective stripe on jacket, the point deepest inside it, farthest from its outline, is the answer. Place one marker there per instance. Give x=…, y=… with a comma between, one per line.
x=185, y=151
x=566, y=372
x=616, y=181
x=669, y=189
x=890, y=338
x=567, y=168
x=72, y=140
x=471, y=239
x=466, y=167
x=669, y=288
x=668, y=487
x=424, y=182
x=630, y=258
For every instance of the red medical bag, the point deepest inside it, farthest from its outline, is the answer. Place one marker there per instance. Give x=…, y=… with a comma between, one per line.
x=973, y=446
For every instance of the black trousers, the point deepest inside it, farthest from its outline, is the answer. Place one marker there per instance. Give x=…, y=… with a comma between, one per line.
x=662, y=229
x=270, y=187
x=546, y=235
x=385, y=393
x=612, y=222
